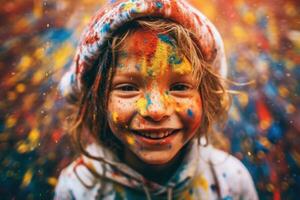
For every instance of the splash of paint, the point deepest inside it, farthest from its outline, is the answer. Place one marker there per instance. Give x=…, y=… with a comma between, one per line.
x=166, y=39
x=149, y=102
x=130, y=140
x=105, y=28
x=190, y=113
x=168, y=101
x=115, y=116
x=174, y=59
x=158, y=4
x=159, y=62
x=184, y=67
x=141, y=105
x=202, y=182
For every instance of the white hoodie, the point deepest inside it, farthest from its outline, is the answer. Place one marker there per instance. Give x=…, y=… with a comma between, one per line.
x=205, y=173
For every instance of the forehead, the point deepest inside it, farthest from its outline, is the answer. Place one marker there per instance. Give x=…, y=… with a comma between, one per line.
x=152, y=53
x=144, y=42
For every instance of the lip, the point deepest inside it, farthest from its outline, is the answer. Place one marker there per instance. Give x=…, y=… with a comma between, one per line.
x=155, y=136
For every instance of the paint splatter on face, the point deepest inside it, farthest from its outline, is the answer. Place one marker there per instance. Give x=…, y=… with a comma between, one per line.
x=155, y=104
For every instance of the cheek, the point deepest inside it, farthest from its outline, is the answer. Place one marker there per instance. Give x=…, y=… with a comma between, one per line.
x=190, y=111
x=120, y=112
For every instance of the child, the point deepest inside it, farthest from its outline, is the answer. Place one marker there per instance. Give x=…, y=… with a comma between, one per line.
x=147, y=81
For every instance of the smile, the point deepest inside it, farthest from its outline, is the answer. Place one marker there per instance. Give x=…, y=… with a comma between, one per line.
x=157, y=134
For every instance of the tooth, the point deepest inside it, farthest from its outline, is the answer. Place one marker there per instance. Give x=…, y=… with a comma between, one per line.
x=160, y=135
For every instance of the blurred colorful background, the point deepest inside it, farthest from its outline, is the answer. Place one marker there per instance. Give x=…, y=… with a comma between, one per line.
x=37, y=42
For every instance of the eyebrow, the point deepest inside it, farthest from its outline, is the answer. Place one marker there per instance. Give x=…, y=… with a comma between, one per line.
x=128, y=75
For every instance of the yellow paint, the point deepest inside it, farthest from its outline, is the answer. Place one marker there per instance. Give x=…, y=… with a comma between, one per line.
x=169, y=101
x=201, y=181
x=142, y=105
x=129, y=6
x=183, y=68
x=159, y=62
x=115, y=116
x=27, y=178
x=130, y=140
x=144, y=67
x=186, y=195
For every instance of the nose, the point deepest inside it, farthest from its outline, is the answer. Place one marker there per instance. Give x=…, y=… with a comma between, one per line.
x=156, y=108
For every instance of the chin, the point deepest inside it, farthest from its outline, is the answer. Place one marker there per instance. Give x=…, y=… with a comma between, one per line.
x=157, y=158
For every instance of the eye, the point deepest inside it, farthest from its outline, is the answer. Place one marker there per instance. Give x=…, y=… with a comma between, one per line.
x=127, y=88
x=179, y=87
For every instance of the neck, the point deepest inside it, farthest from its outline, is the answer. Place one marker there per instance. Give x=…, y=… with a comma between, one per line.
x=157, y=173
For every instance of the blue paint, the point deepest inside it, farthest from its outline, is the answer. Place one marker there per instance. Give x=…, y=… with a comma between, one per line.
x=174, y=59
x=149, y=102
x=105, y=28
x=73, y=78
x=228, y=198
x=224, y=174
x=190, y=113
x=213, y=187
x=166, y=39
x=158, y=4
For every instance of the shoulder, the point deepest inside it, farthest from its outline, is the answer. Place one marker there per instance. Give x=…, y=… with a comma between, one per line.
x=232, y=176
x=76, y=181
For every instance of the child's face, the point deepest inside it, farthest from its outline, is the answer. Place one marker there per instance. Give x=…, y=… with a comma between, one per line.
x=154, y=106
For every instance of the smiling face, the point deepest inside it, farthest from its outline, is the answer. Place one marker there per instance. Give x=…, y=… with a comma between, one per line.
x=154, y=105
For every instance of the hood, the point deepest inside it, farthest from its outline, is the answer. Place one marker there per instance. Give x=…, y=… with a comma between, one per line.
x=109, y=167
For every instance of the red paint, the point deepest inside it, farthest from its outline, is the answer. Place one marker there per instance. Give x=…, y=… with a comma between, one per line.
x=91, y=38
x=147, y=37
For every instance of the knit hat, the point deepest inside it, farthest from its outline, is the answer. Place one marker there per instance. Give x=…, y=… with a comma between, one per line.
x=115, y=14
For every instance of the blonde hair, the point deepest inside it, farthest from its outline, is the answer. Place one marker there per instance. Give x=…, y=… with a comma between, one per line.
x=91, y=111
